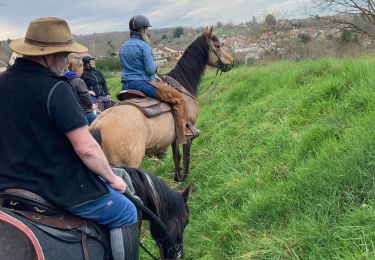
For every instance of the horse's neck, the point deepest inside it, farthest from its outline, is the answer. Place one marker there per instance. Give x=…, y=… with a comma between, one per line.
x=190, y=82
x=189, y=71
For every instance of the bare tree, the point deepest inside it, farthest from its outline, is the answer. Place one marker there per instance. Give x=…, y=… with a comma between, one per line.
x=357, y=15
x=275, y=35
x=270, y=21
x=273, y=41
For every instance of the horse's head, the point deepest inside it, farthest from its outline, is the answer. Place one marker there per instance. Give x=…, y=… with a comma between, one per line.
x=218, y=57
x=171, y=246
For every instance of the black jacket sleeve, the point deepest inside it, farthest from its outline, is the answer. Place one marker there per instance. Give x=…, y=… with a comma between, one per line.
x=103, y=83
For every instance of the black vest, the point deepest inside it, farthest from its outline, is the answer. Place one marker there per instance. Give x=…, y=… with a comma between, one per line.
x=34, y=153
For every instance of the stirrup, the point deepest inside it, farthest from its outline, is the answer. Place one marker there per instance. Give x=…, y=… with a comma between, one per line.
x=194, y=131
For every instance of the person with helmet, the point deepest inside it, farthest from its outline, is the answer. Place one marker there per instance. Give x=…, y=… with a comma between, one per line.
x=138, y=69
x=94, y=79
x=46, y=147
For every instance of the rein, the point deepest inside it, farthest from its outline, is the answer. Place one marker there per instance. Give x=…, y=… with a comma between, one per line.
x=171, y=249
x=188, y=94
x=178, y=86
x=152, y=216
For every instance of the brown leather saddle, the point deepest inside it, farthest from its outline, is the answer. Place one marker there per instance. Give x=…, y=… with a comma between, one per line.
x=52, y=219
x=150, y=107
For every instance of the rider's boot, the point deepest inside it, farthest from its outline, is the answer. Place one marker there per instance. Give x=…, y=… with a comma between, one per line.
x=125, y=242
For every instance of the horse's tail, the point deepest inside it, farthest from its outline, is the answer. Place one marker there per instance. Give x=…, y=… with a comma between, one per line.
x=95, y=132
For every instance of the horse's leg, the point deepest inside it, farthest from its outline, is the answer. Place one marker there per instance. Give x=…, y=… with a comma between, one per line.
x=186, y=156
x=176, y=159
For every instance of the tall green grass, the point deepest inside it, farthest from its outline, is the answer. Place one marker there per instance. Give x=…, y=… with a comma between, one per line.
x=285, y=165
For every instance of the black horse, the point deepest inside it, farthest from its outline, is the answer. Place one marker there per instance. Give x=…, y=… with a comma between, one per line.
x=166, y=210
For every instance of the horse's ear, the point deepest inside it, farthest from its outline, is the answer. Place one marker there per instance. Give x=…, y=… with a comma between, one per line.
x=208, y=32
x=185, y=193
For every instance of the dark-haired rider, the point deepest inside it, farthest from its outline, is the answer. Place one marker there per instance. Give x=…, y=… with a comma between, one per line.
x=94, y=79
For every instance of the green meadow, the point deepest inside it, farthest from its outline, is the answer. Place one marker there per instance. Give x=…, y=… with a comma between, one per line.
x=284, y=167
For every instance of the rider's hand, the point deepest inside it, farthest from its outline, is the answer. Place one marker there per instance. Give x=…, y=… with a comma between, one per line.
x=118, y=184
x=92, y=93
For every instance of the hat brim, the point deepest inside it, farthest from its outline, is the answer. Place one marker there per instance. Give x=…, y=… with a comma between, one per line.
x=19, y=46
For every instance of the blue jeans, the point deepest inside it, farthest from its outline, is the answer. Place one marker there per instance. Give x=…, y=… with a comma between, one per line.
x=112, y=210
x=140, y=85
x=94, y=98
x=91, y=116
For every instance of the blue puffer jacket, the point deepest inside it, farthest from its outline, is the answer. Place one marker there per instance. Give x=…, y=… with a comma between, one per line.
x=137, y=60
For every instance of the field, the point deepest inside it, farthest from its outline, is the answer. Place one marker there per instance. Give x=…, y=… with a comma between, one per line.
x=285, y=164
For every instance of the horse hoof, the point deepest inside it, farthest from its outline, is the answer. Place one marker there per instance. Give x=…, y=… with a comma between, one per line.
x=161, y=155
x=178, y=178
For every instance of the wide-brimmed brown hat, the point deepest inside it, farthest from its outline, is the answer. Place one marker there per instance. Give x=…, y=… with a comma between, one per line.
x=47, y=36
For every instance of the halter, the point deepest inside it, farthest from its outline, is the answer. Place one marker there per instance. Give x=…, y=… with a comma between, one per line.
x=219, y=64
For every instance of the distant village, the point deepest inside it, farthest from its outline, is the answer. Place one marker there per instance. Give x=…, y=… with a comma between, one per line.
x=249, y=42
x=275, y=41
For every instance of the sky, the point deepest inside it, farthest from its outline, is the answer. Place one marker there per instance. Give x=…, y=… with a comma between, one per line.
x=96, y=16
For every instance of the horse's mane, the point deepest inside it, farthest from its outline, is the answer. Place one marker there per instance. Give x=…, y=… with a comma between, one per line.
x=190, y=67
x=171, y=202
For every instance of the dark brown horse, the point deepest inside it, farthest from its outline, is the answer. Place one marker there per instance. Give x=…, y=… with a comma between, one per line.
x=167, y=229
x=127, y=135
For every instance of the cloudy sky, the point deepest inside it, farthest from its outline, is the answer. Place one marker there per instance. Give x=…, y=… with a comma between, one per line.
x=93, y=16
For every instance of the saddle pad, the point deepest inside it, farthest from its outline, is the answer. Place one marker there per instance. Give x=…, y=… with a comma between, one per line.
x=150, y=107
x=62, y=244
x=25, y=230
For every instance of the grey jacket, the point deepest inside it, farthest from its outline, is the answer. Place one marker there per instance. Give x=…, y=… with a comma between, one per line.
x=83, y=94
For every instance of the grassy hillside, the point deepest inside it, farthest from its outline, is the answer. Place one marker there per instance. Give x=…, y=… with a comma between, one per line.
x=285, y=164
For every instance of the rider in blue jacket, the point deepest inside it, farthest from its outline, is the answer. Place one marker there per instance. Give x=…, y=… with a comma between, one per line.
x=138, y=69
x=137, y=63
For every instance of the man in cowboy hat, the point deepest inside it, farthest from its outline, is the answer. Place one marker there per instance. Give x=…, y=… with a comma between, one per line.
x=46, y=147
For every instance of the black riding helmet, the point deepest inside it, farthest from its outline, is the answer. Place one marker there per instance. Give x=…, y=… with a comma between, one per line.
x=137, y=22
x=87, y=59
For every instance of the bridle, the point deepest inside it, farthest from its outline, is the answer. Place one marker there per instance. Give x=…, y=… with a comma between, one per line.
x=173, y=251
x=219, y=64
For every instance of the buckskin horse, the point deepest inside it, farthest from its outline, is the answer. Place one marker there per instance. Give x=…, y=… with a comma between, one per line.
x=22, y=238
x=126, y=135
